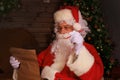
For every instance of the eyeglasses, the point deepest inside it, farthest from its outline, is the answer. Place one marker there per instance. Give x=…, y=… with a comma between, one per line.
x=66, y=27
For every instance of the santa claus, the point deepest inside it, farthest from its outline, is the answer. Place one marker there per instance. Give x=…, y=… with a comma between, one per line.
x=68, y=57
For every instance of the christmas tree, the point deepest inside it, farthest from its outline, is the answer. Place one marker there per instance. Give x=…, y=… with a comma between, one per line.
x=99, y=36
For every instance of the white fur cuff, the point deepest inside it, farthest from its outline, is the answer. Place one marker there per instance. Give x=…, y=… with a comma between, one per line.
x=83, y=62
x=48, y=73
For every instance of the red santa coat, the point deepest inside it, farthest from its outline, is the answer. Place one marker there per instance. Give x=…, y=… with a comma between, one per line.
x=45, y=58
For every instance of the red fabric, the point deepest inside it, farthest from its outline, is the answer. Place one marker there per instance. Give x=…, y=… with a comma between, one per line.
x=45, y=58
x=74, y=11
x=97, y=70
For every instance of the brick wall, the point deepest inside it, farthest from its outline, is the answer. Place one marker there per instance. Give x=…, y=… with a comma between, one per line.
x=35, y=16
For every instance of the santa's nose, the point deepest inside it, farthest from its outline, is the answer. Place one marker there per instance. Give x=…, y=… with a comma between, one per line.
x=62, y=31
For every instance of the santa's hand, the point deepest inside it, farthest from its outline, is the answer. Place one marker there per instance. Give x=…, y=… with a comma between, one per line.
x=77, y=40
x=14, y=63
x=76, y=37
x=78, y=47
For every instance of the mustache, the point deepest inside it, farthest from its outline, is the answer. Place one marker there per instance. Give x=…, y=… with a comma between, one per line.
x=63, y=36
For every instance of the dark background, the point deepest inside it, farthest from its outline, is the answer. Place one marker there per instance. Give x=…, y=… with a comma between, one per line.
x=111, y=11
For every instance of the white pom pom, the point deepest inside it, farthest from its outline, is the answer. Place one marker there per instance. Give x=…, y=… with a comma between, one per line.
x=77, y=26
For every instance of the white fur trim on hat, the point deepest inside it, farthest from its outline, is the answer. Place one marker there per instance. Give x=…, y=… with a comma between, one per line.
x=64, y=15
x=82, y=64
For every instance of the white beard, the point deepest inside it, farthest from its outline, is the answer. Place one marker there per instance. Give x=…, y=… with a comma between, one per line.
x=62, y=41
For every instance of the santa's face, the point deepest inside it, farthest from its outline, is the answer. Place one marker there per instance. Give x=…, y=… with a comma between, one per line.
x=62, y=41
x=63, y=28
x=62, y=37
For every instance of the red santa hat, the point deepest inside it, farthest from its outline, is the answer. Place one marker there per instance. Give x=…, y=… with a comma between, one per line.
x=70, y=15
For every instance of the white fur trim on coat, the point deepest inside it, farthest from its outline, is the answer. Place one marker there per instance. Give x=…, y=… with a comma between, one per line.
x=82, y=64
